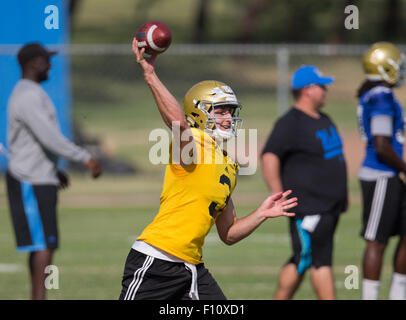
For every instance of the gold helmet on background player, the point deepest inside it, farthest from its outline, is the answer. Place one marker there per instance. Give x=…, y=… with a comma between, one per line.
x=384, y=61
x=200, y=100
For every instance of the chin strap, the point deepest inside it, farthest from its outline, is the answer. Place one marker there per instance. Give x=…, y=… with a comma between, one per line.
x=221, y=134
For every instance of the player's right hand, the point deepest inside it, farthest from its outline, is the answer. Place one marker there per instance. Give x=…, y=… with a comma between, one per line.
x=94, y=166
x=147, y=64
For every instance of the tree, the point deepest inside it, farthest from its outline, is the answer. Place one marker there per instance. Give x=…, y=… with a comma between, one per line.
x=249, y=21
x=340, y=34
x=391, y=20
x=73, y=9
x=201, y=21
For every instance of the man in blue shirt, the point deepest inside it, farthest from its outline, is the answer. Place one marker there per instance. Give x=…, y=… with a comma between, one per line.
x=381, y=127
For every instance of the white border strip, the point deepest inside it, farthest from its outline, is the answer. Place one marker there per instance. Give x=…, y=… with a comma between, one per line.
x=376, y=208
x=138, y=277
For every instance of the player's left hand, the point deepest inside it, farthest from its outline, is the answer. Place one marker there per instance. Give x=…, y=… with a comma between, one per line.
x=63, y=179
x=278, y=205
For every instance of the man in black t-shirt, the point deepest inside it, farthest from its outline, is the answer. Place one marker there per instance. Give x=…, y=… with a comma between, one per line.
x=304, y=153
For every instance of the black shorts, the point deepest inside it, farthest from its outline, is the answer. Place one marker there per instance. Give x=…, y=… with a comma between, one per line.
x=384, y=209
x=33, y=213
x=148, y=278
x=313, y=248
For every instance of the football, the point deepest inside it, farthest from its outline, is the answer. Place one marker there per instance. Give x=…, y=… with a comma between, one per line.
x=155, y=36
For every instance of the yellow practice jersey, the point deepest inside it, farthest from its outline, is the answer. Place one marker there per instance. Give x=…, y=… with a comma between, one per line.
x=192, y=198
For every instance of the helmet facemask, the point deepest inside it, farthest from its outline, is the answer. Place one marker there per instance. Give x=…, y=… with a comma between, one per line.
x=211, y=123
x=394, y=75
x=401, y=72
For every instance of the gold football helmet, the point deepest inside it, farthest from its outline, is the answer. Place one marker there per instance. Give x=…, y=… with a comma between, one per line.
x=384, y=61
x=202, y=98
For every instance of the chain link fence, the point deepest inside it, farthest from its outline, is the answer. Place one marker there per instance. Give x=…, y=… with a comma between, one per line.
x=202, y=60
x=112, y=102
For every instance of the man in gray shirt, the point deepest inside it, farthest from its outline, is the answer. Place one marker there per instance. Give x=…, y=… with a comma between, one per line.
x=35, y=143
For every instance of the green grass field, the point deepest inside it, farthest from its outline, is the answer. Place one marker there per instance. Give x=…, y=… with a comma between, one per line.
x=99, y=220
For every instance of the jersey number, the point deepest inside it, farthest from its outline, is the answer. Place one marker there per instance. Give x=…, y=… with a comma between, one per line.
x=212, y=208
x=360, y=111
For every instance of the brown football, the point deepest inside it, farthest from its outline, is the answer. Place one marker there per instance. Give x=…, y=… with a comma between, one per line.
x=155, y=36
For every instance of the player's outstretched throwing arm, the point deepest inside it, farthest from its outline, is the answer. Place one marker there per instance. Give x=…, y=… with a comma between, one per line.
x=169, y=108
x=231, y=230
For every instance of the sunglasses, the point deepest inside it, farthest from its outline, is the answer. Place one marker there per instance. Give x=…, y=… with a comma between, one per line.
x=319, y=85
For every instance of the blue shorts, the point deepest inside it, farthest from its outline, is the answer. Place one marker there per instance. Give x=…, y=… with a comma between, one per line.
x=33, y=213
x=315, y=248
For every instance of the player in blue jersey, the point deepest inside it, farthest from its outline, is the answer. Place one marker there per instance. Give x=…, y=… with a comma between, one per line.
x=382, y=172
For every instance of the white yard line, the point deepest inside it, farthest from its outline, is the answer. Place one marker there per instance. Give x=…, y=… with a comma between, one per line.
x=10, y=268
